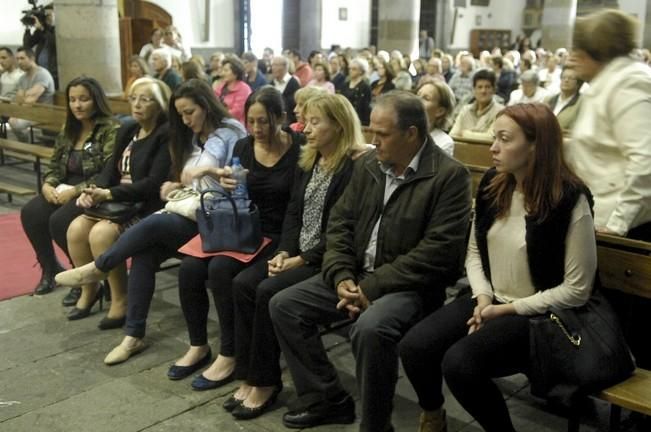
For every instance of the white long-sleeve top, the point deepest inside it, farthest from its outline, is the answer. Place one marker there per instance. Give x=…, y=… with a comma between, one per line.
x=611, y=144
x=511, y=278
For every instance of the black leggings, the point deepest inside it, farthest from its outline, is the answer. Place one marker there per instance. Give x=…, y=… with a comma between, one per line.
x=44, y=222
x=440, y=346
x=217, y=274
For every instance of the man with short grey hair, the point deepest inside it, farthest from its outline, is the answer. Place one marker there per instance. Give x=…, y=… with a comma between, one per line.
x=286, y=84
x=395, y=240
x=529, y=91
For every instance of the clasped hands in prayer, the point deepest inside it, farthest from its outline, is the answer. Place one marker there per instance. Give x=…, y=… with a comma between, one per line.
x=485, y=311
x=351, y=298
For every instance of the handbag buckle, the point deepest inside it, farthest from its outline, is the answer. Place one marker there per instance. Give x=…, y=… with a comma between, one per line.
x=574, y=339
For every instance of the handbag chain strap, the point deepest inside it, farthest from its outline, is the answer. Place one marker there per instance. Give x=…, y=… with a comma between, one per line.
x=574, y=340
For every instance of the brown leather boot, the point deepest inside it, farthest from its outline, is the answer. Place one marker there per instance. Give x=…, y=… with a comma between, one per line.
x=433, y=421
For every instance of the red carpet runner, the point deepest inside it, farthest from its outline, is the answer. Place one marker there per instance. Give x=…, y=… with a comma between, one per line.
x=19, y=272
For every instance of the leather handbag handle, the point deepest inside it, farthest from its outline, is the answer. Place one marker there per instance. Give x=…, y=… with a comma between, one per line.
x=224, y=194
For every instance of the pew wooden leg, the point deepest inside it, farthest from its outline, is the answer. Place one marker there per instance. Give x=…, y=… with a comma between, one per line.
x=615, y=415
x=573, y=422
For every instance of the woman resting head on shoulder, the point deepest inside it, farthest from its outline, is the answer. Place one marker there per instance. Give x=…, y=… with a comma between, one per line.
x=532, y=247
x=203, y=135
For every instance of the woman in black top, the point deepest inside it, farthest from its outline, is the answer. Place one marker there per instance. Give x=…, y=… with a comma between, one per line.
x=270, y=155
x=333, y=134
x=357, y=90
x=139, y=166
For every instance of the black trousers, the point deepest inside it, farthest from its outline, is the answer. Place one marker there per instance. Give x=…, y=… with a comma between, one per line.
x=256, y=349
x=216, y=274
x=296, y=313
x=44, y=222
x=439, y=346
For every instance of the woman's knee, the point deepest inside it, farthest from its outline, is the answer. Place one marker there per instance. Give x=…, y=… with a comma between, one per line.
x=459, y=364
x=102, y=235
x=79, y=229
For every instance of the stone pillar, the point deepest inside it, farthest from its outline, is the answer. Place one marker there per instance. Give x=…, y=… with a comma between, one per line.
x=558, y=23
x=88, y=42
x=310, y=27
x=398, y=25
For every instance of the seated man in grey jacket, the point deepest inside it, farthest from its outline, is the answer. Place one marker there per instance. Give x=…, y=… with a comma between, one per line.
x=395, y=240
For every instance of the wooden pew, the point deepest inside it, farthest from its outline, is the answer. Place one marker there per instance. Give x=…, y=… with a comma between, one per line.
x=625, y=265
x=38, y=153
x=44, y=116
x=118, y=104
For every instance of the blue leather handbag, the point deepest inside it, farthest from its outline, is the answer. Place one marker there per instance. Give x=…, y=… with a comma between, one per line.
x=226, y=226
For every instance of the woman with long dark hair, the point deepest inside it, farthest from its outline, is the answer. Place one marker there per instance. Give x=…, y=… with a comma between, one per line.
x=532, y=246
x=80, y=151
x=270, y=155
x=202, y=137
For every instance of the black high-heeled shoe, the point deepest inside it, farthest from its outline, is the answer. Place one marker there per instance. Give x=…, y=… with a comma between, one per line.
x=111, y=323
x=77, y=313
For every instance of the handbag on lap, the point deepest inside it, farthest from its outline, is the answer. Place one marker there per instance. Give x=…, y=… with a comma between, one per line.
x=577, y=351
x=226, y=226
x=115, y=211
x=184, y=202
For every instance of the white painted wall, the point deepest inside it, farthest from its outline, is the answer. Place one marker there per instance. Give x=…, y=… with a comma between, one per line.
x=187, y=16
x=637, y=8
x=355, y=32
x=500, y=15
x=11, y=30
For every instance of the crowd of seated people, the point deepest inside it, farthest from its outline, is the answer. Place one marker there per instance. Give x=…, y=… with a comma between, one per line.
x=336, y=212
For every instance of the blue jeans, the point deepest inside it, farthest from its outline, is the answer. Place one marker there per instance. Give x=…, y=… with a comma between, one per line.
x=149, y=242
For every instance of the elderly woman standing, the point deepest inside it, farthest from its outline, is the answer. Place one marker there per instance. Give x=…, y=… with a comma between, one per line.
x=611, y=144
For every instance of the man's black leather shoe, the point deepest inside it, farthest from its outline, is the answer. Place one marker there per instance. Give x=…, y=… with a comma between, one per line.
x=322, y=413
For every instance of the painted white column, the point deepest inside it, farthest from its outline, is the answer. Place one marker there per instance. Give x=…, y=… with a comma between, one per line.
x=88, y=42
x=398, y=25
x=558, y=23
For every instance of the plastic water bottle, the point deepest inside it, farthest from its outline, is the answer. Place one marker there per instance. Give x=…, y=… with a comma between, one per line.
x=240, y=194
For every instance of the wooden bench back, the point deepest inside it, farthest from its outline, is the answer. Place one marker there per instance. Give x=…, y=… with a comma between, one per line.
x=624, y=265
x=51, y=116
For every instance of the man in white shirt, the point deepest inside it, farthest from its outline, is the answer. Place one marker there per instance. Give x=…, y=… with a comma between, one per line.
x=530, y=91
x=10, y=73
x=286, y=84
x=550, y=77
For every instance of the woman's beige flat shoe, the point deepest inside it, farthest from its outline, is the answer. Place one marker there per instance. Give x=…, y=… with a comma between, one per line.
x=83, y=275
x=121, y=353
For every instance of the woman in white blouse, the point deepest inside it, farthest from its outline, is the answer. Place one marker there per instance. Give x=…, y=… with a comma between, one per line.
x=532, y=246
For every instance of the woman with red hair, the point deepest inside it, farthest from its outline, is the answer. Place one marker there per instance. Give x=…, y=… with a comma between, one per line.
x=532, y=246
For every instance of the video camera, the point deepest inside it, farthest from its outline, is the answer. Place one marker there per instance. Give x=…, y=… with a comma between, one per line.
x=30, y=15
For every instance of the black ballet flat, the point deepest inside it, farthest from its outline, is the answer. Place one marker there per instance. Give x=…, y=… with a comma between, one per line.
x=242, y=412
x=179, y=372
x=201, y=383
x=111, y=323
x=231, y=403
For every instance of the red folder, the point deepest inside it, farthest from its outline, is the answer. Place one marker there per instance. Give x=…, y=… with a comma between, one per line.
x=193, y=248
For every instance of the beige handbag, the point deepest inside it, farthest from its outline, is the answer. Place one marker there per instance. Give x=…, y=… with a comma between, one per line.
x=184, y=202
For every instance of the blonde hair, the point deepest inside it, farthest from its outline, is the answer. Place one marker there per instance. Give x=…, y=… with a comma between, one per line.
x=158, y=88
x=605, y=34
x=303, y=94
x=350, y=137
